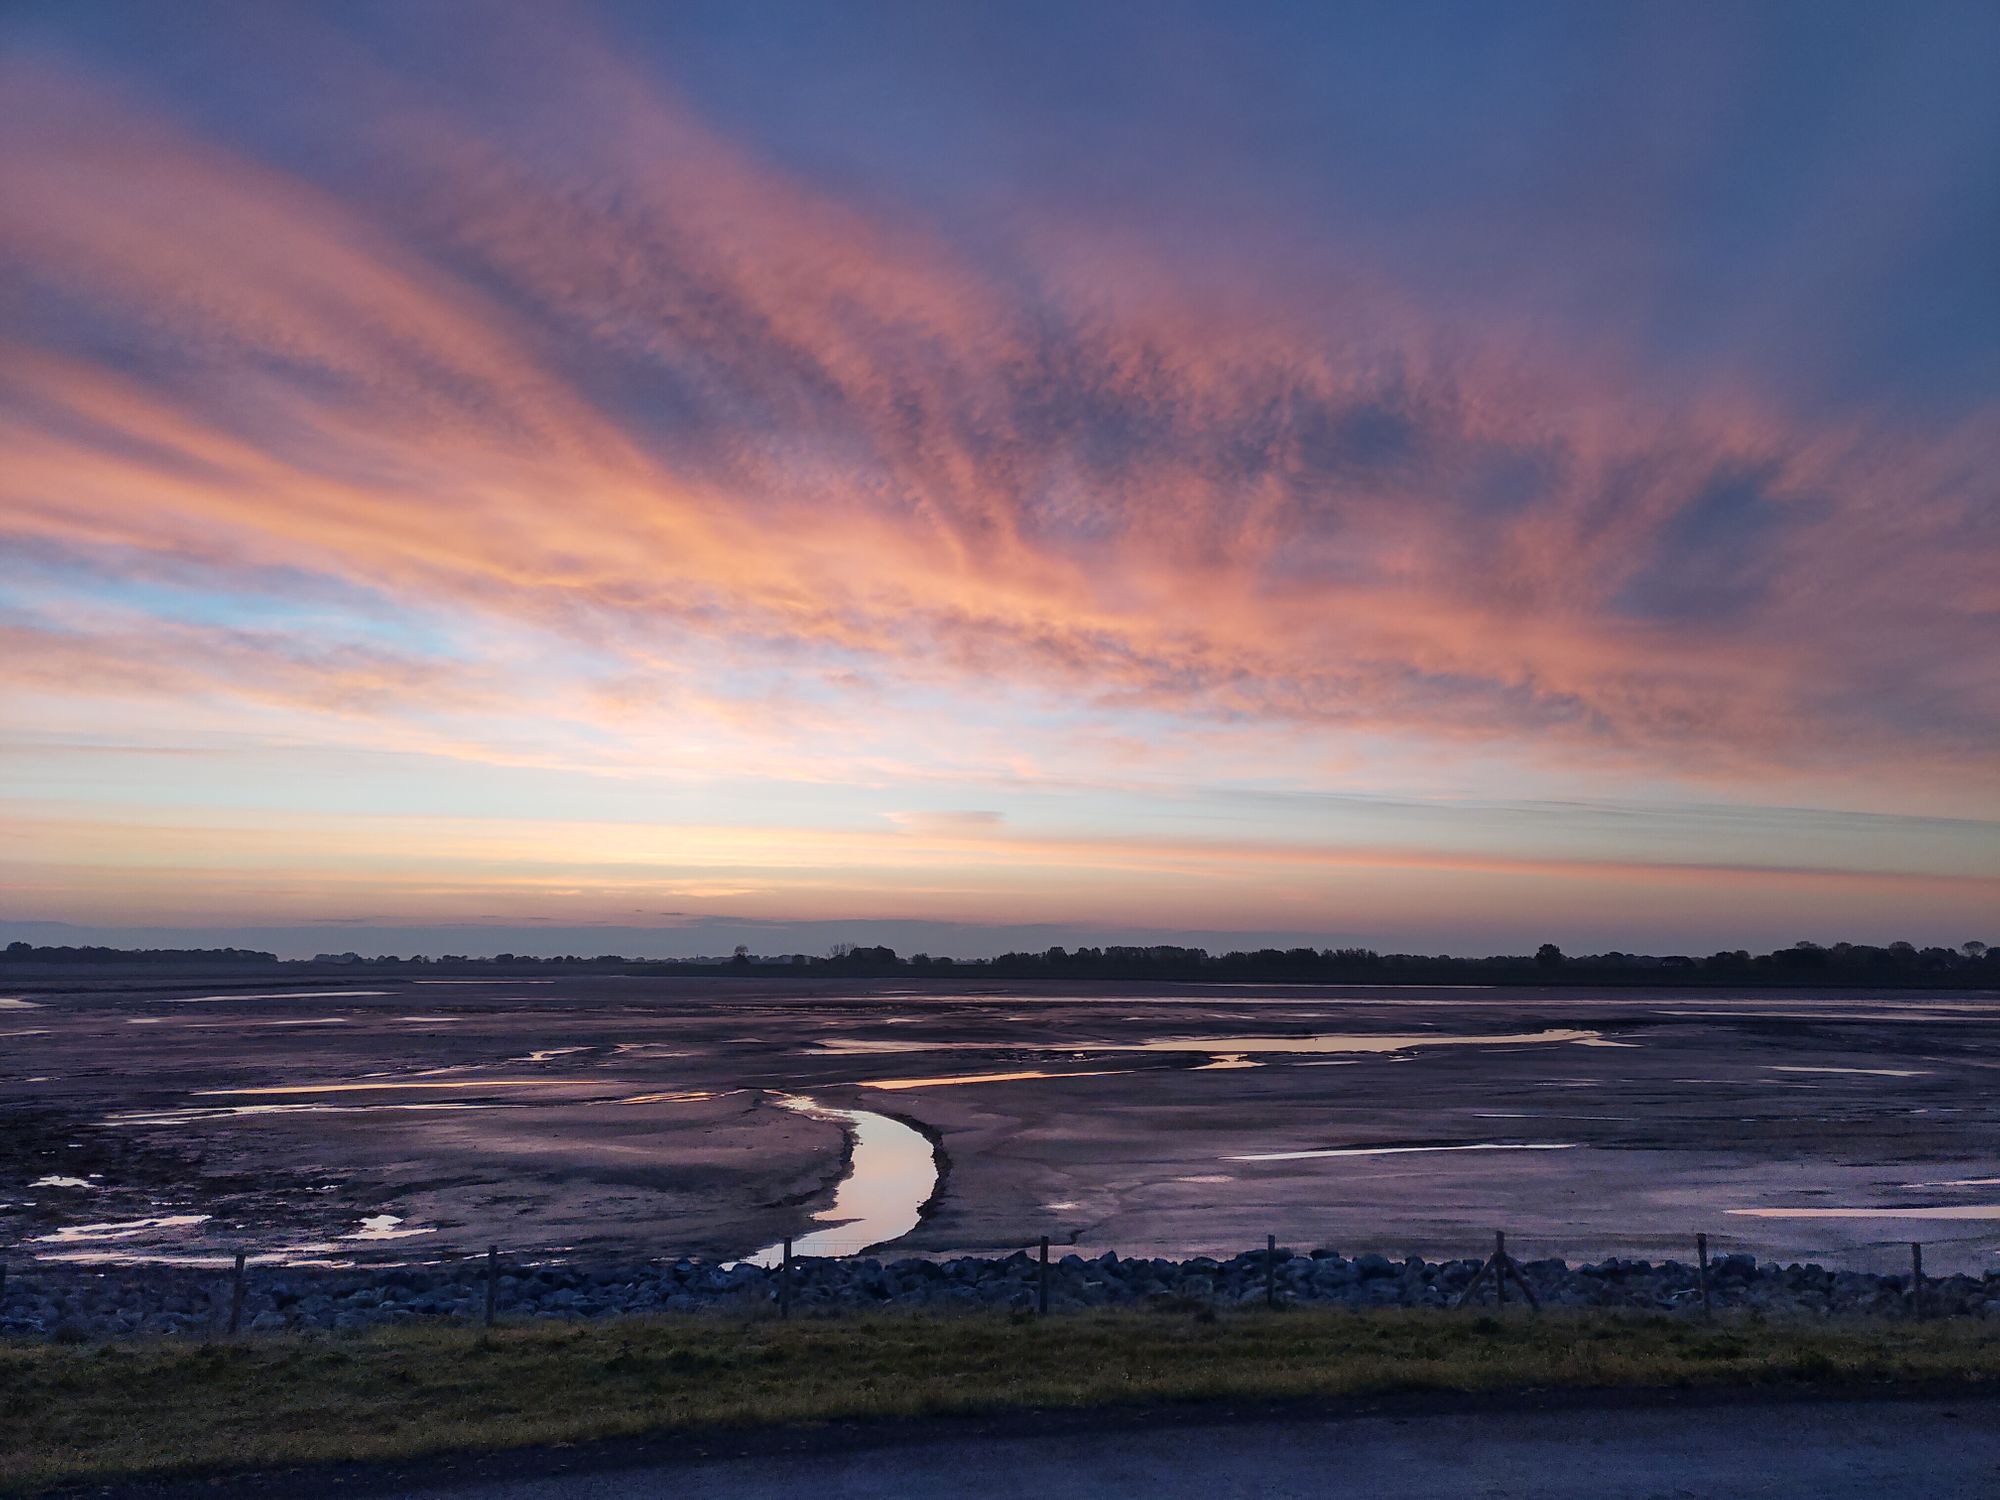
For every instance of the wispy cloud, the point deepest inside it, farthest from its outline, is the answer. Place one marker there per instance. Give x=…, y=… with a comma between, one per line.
x=880, y=453
x=691, y=460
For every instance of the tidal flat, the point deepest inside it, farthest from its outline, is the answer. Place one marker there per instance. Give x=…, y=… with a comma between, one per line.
x=366, y=1120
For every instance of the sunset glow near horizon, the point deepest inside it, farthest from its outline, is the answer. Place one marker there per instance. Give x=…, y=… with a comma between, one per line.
x=1437, y=478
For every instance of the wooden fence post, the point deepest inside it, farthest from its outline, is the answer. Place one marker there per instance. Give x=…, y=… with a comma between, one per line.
x=1512, y=1267
x=492, y=1281
x=1916, y=1278
x=1472, y=1286
x=785, y=1283
x=1042, y=1296
x=1701, y=1257
x=1500, y=1266
x=1270, y=1270
x=236, y=1297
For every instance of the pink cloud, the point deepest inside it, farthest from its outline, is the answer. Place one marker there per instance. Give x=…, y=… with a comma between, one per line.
x=1087, y=481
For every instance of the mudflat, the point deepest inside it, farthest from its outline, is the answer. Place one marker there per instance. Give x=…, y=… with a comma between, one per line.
x=370, y=1118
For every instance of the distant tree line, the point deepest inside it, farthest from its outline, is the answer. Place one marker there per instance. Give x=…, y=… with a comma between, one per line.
x=1895, y=964
x=31, y=953
x=1972, y=963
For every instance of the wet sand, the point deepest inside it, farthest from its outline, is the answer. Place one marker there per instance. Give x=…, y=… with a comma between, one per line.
x=601, y=1115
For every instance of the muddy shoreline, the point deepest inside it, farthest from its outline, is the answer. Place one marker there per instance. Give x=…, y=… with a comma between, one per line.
x=602, y=1116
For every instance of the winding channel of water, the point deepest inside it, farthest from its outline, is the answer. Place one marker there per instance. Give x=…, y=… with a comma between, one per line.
x=893, y=1173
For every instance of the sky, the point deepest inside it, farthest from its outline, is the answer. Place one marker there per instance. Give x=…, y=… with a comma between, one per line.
x=622, y=477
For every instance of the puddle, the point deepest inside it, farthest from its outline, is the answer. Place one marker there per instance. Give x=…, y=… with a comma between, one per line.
x=545, y=1053
x=15, y=1002
x=66, y=1182
x=1955, y=1182
x=306, y=1256
x=233, y=1025
x=1226, y=1061
x=1243, y=1046
x=1926, y=1012
x=120, y=1230
x=1953, y=1211
x=1228, y=1051
x=200, y=1113
x=1405, y=1150
x=1057, y=1208
x=685, y=1096
x=376, y=1088
x=278, y=995
x=1306, y=984
x=43, y=1032
x=950, y=1079
x=384, y=1227
x=893, y=1172
x=81, y=1244
x=1865, y=1072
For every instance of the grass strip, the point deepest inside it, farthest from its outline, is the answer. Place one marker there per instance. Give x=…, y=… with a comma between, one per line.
x=152, y=1409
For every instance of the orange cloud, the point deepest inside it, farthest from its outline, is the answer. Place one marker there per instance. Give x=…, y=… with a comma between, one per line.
x=844, y=451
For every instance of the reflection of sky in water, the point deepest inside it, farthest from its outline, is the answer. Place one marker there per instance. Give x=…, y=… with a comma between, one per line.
x=1238, y=1046
x=240, y=1111
x=1405, y=1150
x=233, y=1025
x=1230, y=1051
x=947, y=1080
x=385, y=1227
x=123, y=1229
x=163, y=1240
x=374, y=1088
x=1953, y=1211
x=893, y=1172
x=316, y=1256
x=279, y=995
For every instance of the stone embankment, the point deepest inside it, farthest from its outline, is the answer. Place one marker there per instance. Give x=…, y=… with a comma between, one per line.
x=66, y=1302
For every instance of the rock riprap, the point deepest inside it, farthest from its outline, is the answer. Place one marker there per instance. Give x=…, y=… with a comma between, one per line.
x=68, y=1302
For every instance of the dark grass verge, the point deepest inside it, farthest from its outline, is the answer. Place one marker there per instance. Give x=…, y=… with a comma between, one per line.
x=78, y=1414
